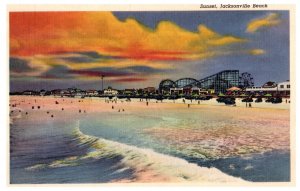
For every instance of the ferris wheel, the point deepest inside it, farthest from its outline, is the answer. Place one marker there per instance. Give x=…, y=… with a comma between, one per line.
x=246, y=80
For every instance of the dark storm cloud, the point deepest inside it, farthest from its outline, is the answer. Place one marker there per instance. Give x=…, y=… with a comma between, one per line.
x=19, y=65
x=86, y=57
x=145, y=69
x=78, y=59
x=97, y=72
x=116, y=72
x=57, y=72
x=64, y=72
x=93, y=54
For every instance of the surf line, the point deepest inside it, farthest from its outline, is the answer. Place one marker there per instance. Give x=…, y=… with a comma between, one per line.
x=150, y=165
x=147, y=165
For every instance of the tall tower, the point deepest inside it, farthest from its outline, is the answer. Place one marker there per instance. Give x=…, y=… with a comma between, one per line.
x=102, y=78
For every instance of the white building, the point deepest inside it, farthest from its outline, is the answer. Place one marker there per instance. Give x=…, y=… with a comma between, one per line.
x=110, y=92
x=282, y=88
x=176, y=91
x=91, y=92
x=198, y=91
x=193, y=90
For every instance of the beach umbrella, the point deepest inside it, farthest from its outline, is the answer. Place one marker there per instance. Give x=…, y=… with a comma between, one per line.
x=221, y=94
x=234, y=89
x=268, y=95
x=243, y=95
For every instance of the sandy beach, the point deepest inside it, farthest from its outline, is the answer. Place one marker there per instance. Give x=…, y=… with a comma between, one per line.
x=205, y=131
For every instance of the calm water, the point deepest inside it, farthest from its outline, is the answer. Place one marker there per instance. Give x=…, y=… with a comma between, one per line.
x=52, y=152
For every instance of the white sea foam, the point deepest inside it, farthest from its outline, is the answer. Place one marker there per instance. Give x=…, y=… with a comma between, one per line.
x=148, y=165
x=36, y=167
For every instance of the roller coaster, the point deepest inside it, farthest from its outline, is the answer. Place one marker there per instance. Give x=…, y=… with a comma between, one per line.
x=220, y=82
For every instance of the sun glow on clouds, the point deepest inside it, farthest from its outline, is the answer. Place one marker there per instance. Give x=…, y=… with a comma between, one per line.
x=257, y=51
x=84, y=45
x=271, y=19
x=45, y=32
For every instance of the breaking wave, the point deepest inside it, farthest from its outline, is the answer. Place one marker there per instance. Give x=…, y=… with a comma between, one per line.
x=147, y=165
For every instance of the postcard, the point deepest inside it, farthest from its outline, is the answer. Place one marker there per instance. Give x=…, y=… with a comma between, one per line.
x=185, y=95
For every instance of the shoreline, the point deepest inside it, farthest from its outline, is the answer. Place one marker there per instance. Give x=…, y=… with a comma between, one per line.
x=211, y=102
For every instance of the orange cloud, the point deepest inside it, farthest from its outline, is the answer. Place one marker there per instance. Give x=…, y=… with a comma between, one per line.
x=270, y=20
x=34, y=33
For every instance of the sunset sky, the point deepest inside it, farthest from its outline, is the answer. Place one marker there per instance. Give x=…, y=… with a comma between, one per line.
x=51, y=50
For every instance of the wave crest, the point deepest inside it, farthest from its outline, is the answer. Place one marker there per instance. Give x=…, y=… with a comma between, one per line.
x=148, y=165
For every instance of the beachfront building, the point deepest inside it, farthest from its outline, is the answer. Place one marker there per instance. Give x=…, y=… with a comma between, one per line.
x=149, y=90
x=56, y=92
x=79, y=93
x=110, y=91
x=188, y=91
x=130, y=92
x=271, y=88
x=30, y=92
x=199, y=91
x=176, y=91
x=284, y=88
x=72, y=92
x=65, y=93
x=92, y=93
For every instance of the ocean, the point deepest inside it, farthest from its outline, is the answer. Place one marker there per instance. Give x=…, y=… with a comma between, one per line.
x=144, y=145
